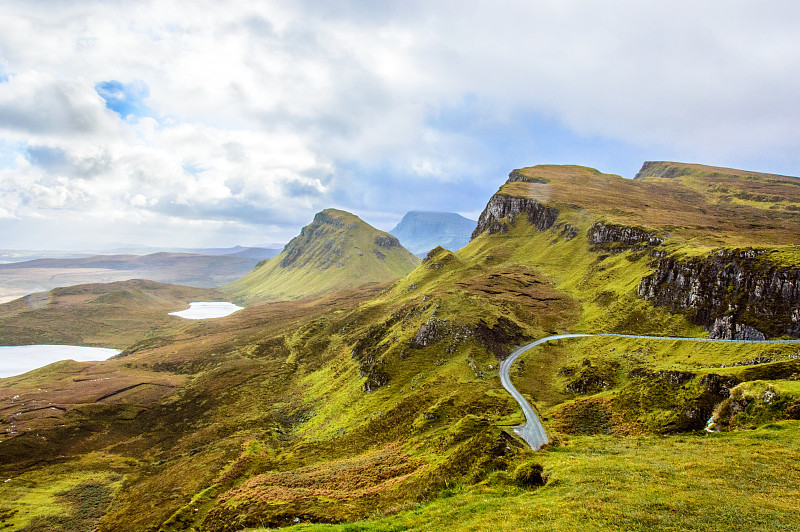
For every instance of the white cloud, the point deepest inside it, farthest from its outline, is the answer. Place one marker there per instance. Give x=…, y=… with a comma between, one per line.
x=42, y=106
x=262, y=112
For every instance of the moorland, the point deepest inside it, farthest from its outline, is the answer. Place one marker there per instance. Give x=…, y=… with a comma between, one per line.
x=376, y=404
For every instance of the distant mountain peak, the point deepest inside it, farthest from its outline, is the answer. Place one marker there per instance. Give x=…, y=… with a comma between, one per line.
x=337, y=250
x=421, y=231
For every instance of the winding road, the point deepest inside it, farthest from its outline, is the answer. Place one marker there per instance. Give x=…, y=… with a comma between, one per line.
x=533, y=432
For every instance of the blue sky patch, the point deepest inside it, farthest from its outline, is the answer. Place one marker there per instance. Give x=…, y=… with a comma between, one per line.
x=8, y=153
x=124, y=98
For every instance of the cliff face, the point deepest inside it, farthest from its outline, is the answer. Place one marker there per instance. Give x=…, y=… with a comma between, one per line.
x=620, y=237
x=504, y=206
x=732, y=294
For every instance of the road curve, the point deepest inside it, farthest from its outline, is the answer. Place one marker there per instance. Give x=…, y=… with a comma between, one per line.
x=533, y=432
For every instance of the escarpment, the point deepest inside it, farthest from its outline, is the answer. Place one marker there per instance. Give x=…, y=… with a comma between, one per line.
x=502, y=206
x=733, y=294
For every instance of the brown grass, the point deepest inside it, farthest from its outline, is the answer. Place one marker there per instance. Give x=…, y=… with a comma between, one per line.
x=694, y=207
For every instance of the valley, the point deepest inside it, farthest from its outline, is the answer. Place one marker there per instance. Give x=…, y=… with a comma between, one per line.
x=362, y=389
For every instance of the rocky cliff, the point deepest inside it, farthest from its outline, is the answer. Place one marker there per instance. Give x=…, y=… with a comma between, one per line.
x=504, y=207
x=733, y=294
x=613, y=236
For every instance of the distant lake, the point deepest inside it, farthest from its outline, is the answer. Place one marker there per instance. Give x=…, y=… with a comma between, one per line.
x=16, y=360
x=207, y=309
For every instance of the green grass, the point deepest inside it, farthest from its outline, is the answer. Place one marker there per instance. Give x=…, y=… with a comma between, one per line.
x=326, y=257
x=745, y=480
x=264, y=417
x=40, y=494
x=106, y=315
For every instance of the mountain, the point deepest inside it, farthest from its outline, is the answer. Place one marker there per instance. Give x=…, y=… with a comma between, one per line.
x=336, y=251
x=205, y=271
x=380, y=408
x=421, y=231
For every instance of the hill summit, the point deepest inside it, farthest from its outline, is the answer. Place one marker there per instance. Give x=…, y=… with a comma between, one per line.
x=422, y=231
x=336, y=251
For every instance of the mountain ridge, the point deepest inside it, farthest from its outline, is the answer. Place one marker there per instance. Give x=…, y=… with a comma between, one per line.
x=337, y=250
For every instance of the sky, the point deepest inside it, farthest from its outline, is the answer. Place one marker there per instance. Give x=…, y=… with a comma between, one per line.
x=203, y=123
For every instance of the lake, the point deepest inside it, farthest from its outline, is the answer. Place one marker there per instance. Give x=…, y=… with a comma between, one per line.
x=16, y=360
x=202, y=310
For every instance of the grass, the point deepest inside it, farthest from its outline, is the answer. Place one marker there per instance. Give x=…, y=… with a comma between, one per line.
x=77, y=492
x=327, y=256
x=690, y=207
x=741, y=480
x=385, y=402
x=105, y=315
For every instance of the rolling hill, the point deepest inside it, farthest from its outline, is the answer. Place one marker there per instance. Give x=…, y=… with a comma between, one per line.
x=336, y=251
x=381, y=408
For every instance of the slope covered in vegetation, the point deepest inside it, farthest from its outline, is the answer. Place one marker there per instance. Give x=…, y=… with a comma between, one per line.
x=387, y=401
x=336, y=251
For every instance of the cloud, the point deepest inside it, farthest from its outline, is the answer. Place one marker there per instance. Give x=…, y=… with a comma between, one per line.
x=253, y=115
x=40, y=105
x=124, y=99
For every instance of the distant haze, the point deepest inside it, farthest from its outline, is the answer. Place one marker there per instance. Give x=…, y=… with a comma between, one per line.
x=420, y=231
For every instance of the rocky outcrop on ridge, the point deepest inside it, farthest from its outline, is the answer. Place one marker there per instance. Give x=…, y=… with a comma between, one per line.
x=733, y=294
x=610, y=236
x=518, y=177
x=386, y=241
x=503, y=206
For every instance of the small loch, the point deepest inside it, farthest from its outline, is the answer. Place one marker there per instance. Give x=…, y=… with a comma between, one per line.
x=19, y=359
x=203, y=310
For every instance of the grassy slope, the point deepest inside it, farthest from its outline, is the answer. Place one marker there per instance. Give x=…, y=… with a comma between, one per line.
x=330, y=257
x=698, y=207
x=273, y=422
x=736, y=481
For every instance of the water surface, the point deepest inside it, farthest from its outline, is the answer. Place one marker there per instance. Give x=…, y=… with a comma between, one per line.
x=202, y=310
x=19, y=359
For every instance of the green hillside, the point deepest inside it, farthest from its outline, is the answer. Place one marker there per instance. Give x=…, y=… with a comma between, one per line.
x=381, y=408
x=336, y=251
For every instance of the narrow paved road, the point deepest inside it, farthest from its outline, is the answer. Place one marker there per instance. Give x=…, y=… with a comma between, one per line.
x=533, y=431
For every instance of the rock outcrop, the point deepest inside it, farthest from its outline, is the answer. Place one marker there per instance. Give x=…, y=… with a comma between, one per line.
x=503, y=209
x=386, y=241
x=518, y=177
x=733, y=294
x=620, y=237
x=660, y=169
